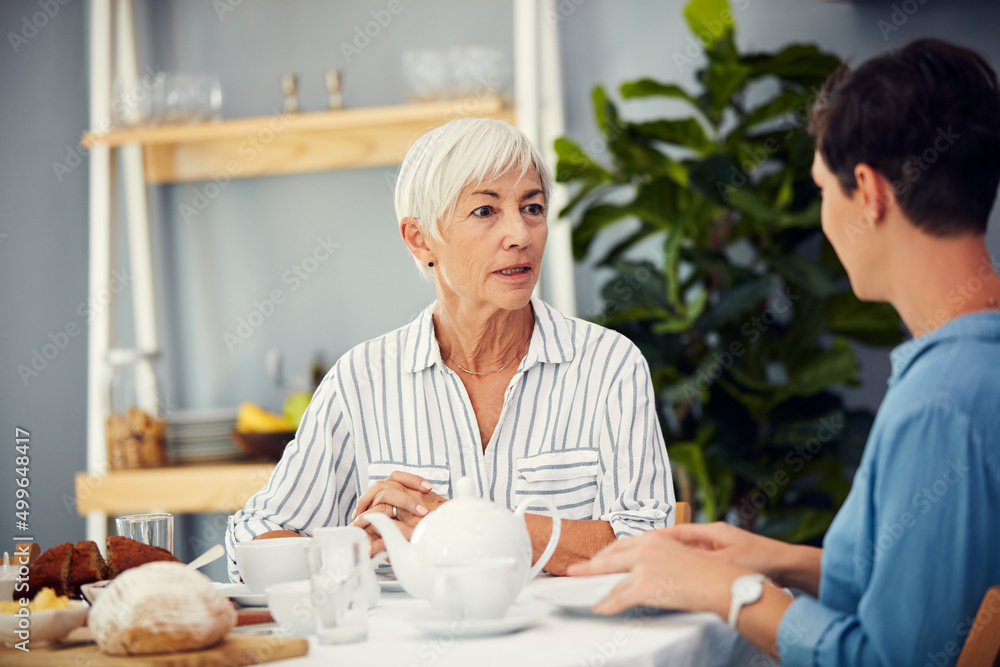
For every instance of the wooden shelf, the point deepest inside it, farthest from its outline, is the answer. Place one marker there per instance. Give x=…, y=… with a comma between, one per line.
x=290, y=143
x=223, y=487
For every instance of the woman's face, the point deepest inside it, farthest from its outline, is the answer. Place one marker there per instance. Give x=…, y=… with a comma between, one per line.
x=492, y=250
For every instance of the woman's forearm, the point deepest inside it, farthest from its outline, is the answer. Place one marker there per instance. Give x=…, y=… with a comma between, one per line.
x=798, y=567
x=578, y=540
x=271, y=534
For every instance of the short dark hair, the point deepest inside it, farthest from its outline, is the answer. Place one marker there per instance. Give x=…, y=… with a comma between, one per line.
x=927, y=117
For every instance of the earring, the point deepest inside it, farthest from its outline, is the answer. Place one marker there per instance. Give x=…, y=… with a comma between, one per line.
x=430, y=264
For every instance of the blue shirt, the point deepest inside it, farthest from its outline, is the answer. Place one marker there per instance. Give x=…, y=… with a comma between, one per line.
x=916, y=545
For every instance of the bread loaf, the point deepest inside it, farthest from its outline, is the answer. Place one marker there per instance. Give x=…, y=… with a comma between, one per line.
x=160, y=607
x=51, y=570
x=87, y=566
x=124, y=553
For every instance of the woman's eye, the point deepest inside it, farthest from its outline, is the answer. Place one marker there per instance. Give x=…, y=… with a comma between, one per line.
x=534, y=209
x=483, y=212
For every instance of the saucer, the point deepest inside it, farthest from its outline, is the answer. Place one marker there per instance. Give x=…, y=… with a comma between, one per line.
x=240, y=594
x=578, y=596
x=518, y=617
x=388, y=583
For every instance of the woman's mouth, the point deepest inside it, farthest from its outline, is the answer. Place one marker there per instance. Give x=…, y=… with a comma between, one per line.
x=513, y=271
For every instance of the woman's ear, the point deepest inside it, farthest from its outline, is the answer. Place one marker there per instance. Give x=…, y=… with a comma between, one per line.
x=413, y=237
x=875, y=192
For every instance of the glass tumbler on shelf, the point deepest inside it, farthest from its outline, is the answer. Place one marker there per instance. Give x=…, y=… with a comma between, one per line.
x=427, y=75
x=136, y=429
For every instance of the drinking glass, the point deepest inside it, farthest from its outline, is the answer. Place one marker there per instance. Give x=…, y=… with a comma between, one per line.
x=153, y=529
x=337, y=559
x=427, y=74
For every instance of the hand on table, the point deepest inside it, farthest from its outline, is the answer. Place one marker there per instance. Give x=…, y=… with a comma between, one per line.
x=663, y=572
x=405, y=497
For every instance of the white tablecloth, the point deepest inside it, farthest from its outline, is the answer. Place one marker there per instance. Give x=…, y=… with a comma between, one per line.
x=671, y=638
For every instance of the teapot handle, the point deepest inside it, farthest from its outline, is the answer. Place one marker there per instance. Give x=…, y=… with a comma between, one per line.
x=556, y=528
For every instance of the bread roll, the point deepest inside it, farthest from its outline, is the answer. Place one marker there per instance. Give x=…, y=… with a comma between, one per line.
x=160, y=607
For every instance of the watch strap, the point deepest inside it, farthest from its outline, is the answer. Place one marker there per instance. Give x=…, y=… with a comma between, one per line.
x=739, y=600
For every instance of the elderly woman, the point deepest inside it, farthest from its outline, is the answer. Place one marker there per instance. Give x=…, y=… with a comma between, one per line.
x=488, y=382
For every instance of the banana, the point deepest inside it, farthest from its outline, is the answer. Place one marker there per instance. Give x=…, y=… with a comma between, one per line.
x=252, y=418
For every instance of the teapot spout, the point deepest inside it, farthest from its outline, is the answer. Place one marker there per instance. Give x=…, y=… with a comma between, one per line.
x=406, y=563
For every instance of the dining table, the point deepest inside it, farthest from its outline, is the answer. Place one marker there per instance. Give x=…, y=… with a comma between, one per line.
x=402, y=630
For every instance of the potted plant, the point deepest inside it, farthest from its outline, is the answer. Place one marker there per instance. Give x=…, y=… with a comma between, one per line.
x=724, y=280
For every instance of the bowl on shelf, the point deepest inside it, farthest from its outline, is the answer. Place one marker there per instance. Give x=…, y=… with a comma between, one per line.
x=268, y=446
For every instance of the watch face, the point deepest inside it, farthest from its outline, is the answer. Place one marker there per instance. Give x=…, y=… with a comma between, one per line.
x=748, y=589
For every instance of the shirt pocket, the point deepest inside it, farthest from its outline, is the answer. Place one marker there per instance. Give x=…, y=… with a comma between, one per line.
x=566, y=477
x=438, y=476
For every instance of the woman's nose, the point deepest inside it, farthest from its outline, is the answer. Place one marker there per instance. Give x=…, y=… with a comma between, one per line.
x=516, y=232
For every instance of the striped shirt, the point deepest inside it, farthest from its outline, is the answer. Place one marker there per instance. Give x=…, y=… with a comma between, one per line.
x=578, y=425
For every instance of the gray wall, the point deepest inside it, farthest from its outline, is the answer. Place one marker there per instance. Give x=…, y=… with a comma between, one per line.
x=212, y=268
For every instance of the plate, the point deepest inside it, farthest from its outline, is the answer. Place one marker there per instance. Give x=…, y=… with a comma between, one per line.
x=518, y=617
x=240, y=594
x=577, y=596
x=46, y=626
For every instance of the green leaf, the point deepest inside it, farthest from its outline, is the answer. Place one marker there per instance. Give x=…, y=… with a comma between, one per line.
x=595, y=219
x=723, y=80
x=573, y=164
x=804, y=273
x=615, y=253
x=747, y=201
x=605, y=113
x=686, y=132
x=691, y=456
x=653, y=88
x=803, y=64
x=872, y=323
x=735, y=302
x=670, y=323
x=837, y=365
x=714, y=176
x=790, y=435
x=671, y=264
x=710, y=20
x=797, y=525
x=787, y=102
x=656, y=202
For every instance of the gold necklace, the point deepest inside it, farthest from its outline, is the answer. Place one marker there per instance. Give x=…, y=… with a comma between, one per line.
x=466, y=370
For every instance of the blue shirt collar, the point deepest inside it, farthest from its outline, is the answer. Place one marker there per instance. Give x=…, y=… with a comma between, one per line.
x=982, y=326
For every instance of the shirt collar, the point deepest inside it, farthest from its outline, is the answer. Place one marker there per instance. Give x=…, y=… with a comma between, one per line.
x=974, y=326
x=551, y=340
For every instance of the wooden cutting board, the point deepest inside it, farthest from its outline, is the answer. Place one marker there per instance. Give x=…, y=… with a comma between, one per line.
x=234, y=651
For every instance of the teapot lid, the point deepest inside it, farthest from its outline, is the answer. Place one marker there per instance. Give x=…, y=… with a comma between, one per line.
x=466, y=498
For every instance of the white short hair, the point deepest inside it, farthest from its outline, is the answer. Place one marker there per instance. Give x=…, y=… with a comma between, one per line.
x=448, y=159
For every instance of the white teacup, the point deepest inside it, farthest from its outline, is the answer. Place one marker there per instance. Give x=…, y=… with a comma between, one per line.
x=265, y=562
x=291, y=606
x=475, y=589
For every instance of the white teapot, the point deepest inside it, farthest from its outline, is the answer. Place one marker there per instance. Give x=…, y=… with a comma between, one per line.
x=461, y=533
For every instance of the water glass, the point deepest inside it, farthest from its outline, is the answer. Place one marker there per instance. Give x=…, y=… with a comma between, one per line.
x=337, y=561
x=427, y=74
x=156, y=530
x=478, y=72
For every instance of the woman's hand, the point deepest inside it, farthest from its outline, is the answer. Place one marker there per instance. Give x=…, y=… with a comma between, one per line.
x=405, y=497
x=788, y=565
x=664, y=572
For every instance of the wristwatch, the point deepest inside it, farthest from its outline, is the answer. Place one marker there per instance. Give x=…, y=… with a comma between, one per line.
x=745, y=590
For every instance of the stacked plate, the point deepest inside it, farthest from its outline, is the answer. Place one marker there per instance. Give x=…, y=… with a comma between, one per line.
x=199, y=436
